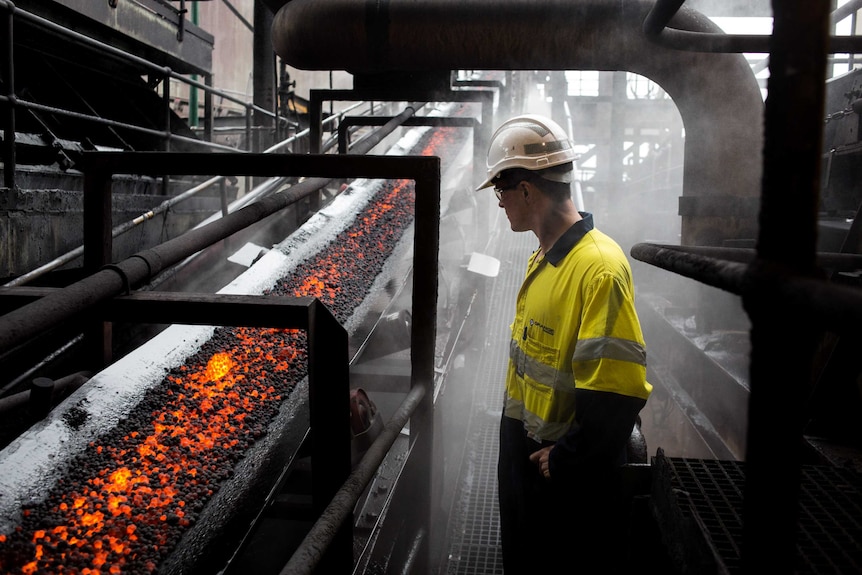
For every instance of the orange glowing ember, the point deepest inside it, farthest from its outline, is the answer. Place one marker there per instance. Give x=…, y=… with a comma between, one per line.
x=123, y=507
x=218, y=366
x=138, y=487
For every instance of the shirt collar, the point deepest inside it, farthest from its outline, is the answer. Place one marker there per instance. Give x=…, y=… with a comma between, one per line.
x=569, y=238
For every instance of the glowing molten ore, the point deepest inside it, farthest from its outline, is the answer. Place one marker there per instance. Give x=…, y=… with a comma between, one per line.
x=124, y=504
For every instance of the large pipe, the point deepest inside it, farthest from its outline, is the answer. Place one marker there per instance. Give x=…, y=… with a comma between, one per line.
x=654, y=27
x=717, y=95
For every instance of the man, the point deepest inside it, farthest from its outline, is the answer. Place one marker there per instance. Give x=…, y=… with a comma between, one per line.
x=576, y=379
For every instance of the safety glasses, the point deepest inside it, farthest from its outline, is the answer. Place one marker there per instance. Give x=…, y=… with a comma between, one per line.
x=500, y=188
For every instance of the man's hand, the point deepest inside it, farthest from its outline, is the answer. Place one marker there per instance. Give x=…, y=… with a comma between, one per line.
x=540, y=458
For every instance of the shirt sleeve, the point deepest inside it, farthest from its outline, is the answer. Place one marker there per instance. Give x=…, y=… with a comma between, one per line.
x=609, y=368
x=598, y=438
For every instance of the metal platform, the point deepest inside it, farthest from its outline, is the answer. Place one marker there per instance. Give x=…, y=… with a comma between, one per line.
x=473, y=538
x=705, y=497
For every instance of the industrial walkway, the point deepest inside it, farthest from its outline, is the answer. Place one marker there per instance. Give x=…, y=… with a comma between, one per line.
x=472, y=545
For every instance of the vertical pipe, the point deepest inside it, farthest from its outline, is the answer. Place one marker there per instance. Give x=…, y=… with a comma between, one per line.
x=98, y=247
x=193, y=90
x=793, y=133
x=251, y=142
x=616, y=138
x=9, y=76
x=166, y=145
x=854, y=22
x=208, y=109
x=222, y=187
x=783, y=348
x=98, y=239
x=181, y=21
x=263, y=75
x=315, y=117
x=166, y=102
x=486, y=98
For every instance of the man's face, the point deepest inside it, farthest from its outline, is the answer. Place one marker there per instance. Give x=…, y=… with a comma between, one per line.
x=510, y=197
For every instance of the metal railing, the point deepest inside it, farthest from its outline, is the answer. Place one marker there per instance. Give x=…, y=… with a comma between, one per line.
x=163, y=207
x=13, y=102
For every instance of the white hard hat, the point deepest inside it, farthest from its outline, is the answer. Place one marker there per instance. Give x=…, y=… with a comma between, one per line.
x=531, y=142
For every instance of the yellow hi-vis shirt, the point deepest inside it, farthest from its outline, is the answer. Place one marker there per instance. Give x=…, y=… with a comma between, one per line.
x=575, y=327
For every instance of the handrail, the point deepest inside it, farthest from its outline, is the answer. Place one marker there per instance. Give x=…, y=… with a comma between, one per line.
x=120, y=229
x=322, y=533
x=656, y=28
x=123, y=55
x=103, y=48
x=18, y=102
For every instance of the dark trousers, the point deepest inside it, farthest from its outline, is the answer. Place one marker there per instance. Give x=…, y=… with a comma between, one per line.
x=568, y=525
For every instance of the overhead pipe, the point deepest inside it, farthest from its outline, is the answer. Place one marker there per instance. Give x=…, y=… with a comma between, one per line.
x=27, y=322
x=723, y=127
x=656, y=27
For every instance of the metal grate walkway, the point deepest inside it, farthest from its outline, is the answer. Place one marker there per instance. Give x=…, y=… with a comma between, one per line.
x=830, y=504
x=473, y=536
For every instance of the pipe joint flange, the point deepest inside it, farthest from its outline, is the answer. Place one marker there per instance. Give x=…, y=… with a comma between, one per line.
x=152, y=259
x=123, y=277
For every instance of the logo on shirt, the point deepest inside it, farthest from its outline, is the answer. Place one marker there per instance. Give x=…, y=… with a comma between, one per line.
x=544, y=328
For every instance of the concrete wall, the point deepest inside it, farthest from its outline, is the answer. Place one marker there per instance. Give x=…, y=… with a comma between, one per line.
x=44, y=219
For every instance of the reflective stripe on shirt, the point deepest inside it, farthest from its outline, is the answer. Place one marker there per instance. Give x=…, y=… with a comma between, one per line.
x=609, y=348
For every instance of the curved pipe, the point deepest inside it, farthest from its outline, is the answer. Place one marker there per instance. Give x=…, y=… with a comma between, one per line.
x=717, y=95
x=663, y=11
